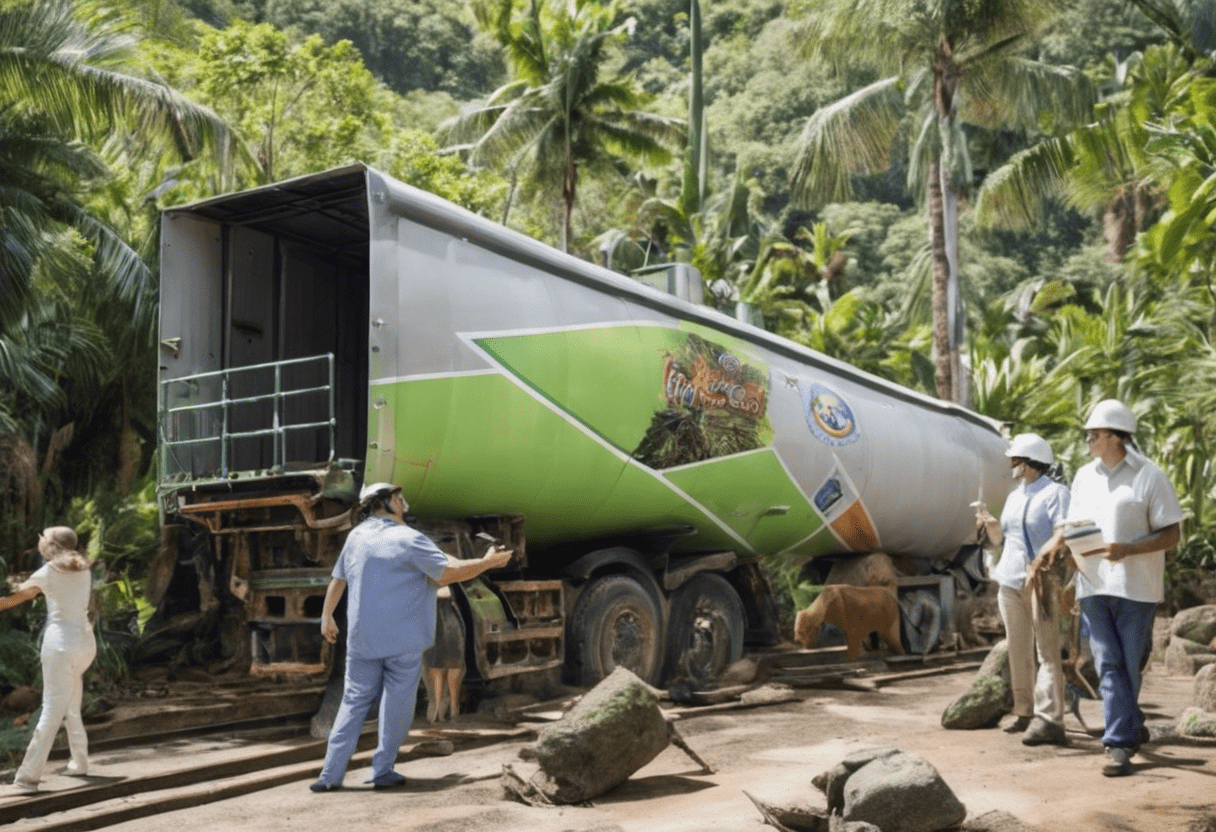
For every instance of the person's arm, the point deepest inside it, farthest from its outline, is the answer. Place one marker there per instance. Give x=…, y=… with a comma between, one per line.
x=20, y=597
x=1158, y=541
x=466, y=570
x=333, y=594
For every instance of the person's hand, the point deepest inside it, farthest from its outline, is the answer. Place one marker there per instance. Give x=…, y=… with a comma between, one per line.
x=983, y=517
x=1114, y=551
x=329, y=629
x=497, y=557
x=1046, y=559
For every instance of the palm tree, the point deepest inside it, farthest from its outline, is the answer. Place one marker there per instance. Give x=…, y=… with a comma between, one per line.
x=952, y=64
x=77, y=302
x=557, y=116
x=64, y=79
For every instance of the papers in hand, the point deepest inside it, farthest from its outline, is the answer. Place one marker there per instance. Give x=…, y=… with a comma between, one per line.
x=1083, y=537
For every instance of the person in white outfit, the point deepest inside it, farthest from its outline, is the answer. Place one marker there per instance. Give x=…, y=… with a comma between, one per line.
x=68, y=648
x=1028, y=520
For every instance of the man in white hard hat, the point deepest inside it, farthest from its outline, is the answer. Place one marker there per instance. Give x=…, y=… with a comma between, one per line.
x=390, y=574
x=1037, y=505
x=1119, y=585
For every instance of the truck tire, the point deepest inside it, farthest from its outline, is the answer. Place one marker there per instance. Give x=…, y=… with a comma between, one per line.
x=705, y=634
x=615, y=623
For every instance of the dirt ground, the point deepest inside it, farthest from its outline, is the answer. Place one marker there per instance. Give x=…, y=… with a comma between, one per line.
x=773, y=752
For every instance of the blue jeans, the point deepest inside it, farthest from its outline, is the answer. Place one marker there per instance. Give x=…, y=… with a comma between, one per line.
x=1120, y=637
x=398, y=677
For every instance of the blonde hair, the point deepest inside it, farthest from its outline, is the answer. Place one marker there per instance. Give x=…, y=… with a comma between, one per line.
x=57, y=545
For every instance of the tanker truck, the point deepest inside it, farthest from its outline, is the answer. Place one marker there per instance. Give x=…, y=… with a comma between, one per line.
x=637, y=450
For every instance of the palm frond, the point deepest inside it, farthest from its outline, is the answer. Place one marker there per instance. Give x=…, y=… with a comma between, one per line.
x=1017, y=92
x=850, y=136
x=1014, y=195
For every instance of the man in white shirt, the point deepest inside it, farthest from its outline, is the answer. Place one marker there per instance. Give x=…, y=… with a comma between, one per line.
x=1120, y=584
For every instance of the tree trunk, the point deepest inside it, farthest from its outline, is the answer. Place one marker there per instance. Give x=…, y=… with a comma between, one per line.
x=942, y=377
x=569, y=183
x=1119, y=224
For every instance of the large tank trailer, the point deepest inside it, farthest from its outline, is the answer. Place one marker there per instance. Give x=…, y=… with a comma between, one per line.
x=638, y=449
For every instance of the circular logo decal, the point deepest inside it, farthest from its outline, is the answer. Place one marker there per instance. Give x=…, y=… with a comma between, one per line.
x=829, y=417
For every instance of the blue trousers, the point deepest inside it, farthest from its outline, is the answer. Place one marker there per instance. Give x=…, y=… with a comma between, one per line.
x=1120, y=637
x=395, y=679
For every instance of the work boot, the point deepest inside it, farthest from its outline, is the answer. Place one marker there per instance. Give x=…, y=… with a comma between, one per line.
x=1118, y=762
x=1043, y=732
x=1018, y=725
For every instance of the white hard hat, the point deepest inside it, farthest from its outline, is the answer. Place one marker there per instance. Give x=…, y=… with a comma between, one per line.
x=1113, y=415
x=376, y=489
x=1030, y=446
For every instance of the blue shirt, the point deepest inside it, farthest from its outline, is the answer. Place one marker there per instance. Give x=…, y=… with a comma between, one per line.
x=1042, y=504
x=390, y=572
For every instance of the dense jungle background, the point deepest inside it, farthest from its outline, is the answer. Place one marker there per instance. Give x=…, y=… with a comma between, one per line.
x=836, y=165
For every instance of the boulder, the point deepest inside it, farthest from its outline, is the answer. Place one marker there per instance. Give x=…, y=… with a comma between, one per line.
x=899, y=791
x=831, y=782
x=1195, y=722
x=1196, y=624
x=988, y=699
x=1205, y=689
x=1184, y=657
x=612, y=732
x=997, y=820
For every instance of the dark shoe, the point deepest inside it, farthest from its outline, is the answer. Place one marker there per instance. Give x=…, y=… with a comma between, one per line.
x=388, y=781
x=1018, y=725
x=324, y=786
x=1118, y=762
x=1042, y=732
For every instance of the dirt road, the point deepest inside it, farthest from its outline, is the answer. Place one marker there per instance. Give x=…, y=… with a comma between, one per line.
x=773, y=752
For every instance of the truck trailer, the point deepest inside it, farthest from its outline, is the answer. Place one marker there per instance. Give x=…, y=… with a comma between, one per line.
x=638, y=450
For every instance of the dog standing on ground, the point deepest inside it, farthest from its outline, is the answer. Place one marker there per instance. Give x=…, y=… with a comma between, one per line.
x=857, y=611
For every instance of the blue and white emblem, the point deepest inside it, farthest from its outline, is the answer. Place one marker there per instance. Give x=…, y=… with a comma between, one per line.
x=829, y=416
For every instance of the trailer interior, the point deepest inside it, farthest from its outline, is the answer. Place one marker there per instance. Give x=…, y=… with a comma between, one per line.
x=263, y=402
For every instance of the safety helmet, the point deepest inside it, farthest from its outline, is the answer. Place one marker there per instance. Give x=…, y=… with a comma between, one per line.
x=376, y=489
x=1030, y=446
x=1111, y=414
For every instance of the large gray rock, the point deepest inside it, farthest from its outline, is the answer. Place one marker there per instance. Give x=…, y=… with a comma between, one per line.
x=1205, y=689
x=1195, y=722
x=831, y=782
x=998, y=820
x=614, y=730
x=1184, y=657
x=1196, y=624
x=988, y=699
x=901, y=792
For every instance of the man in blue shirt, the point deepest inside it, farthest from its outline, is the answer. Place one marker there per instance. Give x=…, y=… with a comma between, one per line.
x=391, y=574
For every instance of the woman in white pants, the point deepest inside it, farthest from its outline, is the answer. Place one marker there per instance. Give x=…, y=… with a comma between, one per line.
x=1027, y=523
x=68, y=649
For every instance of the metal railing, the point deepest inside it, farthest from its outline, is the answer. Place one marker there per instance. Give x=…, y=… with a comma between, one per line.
x=225, y=436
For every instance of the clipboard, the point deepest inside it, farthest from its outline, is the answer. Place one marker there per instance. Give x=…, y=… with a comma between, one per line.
x=1083, y=537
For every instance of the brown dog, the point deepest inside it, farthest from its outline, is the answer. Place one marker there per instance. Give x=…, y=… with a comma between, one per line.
x=857, y=611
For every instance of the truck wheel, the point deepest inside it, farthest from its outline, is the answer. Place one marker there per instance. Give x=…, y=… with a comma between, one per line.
x=706, y=631
x=615, y=623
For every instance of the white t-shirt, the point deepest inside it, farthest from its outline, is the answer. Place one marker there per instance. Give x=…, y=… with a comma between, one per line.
x=1127, y=503
x=67, y=606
